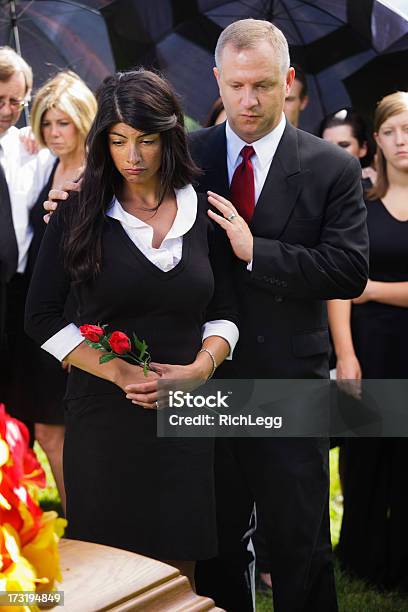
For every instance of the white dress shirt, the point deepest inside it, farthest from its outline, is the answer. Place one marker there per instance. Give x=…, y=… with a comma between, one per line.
x=166, y=257
x=26, y=176
x=265, y=149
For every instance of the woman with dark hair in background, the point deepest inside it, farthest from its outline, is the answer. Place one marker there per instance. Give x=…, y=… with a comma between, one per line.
x=217, y=114
x=348, y=130
x=135, y=250
x=370, y=335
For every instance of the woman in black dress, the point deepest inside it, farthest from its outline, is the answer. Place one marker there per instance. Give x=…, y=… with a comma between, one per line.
x=62, y=113
x=371, y=337
x=135, y=250
x=347, y=129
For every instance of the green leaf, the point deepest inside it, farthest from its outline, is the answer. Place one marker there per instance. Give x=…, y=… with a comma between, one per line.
x=104, y=342
x=140, y=345
x=108, y=357
x=143, y=349
x=94, y=345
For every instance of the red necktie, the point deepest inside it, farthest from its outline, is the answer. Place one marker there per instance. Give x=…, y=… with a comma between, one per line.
x=243, y=185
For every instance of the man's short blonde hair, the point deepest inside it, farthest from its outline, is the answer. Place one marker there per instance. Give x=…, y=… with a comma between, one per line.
x=10, y=63
x=67, y=93
x=247, y=34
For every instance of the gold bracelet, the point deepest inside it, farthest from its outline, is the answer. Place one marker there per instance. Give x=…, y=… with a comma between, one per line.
x=214, y=363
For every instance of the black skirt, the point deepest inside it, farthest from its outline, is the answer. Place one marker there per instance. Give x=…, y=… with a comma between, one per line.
x=130, y=489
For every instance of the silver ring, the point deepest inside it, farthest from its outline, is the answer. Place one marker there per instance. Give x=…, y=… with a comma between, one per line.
x=231, y=217
x=157, y=405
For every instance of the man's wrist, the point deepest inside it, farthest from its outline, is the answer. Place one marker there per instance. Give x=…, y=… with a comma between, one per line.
x=250, y=257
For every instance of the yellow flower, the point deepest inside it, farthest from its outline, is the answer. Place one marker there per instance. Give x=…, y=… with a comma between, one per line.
x=19, y=575
x=42, y=551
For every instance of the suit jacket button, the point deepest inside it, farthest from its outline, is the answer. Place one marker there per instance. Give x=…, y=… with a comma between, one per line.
x=260, y=339
x=278, y=298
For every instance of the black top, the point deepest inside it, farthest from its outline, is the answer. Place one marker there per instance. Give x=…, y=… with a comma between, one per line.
x=388, y=244
x=380, y=331
x=37, y=221
x=131, y=294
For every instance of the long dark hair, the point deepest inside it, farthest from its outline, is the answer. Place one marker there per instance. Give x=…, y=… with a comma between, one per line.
x=215, y=111
x=359, y=130
x=146, y=102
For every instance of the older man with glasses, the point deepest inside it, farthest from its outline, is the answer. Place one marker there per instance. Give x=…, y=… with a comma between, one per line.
x=22, y=176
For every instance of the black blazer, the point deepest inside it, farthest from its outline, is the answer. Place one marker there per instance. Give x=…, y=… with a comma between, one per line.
x=310, y=245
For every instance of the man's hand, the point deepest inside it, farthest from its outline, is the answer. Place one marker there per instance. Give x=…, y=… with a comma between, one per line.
x=237, y=229
x=28, y=141
x=56, y=195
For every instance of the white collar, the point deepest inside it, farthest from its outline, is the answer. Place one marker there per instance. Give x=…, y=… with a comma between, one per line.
x=265, y=147
x=185, y=217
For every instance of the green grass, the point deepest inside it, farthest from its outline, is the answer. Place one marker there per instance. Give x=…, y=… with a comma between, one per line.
x=48, y=497
x=353, y=595
x=191, y=124
x=336, y=498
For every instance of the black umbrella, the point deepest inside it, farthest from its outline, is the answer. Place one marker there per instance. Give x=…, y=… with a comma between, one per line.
x=330, y=39
x=58, y=35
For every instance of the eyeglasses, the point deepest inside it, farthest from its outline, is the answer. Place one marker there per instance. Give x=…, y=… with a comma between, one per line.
x=13, y=103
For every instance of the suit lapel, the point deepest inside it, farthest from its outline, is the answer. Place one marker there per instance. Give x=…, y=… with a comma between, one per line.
x=281, y=188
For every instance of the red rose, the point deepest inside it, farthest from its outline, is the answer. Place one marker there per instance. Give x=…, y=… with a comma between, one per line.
x=119, y=343
x=93, y=333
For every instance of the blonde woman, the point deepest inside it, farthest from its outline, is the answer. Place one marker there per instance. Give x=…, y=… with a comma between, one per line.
x=62, y=113
x=370, y=336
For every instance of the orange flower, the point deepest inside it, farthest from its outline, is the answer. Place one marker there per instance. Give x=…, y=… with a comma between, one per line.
x=19, y=575
x=21, y=466
x=28, y=537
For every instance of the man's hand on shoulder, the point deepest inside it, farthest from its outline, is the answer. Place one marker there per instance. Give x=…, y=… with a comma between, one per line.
x=56, y=195
x=235, y=226
x=28, y=141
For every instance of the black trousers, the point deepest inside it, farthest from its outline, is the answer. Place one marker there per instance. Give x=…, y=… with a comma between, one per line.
x=289, y=480
x=261, y=549
x=13, y=296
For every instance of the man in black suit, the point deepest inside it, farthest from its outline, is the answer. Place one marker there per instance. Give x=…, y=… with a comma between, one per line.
x=23, y=173
x=305, y=242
